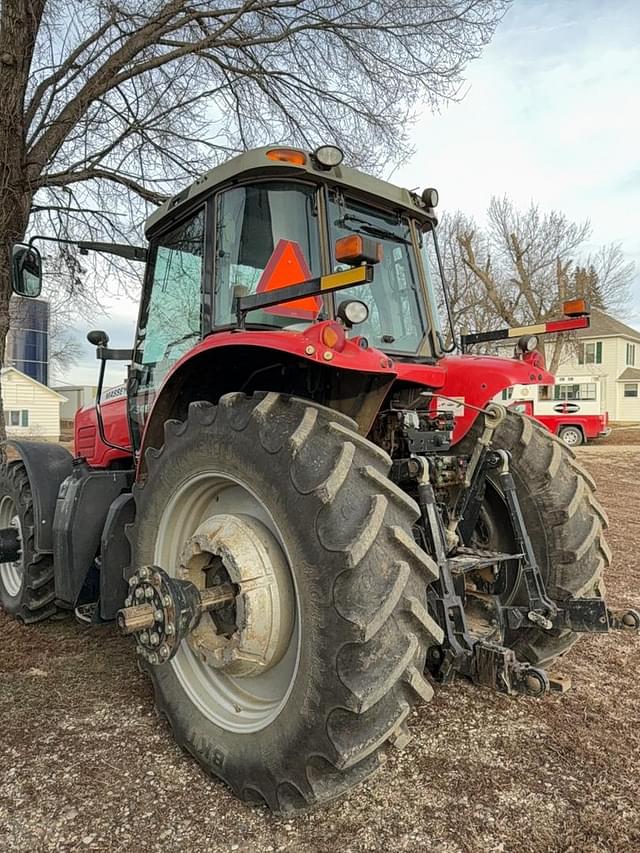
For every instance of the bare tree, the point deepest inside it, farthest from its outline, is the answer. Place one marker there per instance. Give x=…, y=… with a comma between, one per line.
x=467, y=296
x=529, y=262
x=117, y=101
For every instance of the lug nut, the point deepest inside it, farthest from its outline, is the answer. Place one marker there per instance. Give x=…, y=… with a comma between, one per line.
x=144, y=637
x=148, y=593
x=143, y=573
x=167, y=600
x=154, y=639
x=169, y=630
x=158, y=615
x=139, y=592
x=133, y=580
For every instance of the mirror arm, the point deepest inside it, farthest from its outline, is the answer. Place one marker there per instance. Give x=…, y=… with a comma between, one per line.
x=131, y=253
x=105, y=354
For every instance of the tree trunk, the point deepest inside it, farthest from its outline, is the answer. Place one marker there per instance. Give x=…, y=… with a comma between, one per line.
x=19, y=22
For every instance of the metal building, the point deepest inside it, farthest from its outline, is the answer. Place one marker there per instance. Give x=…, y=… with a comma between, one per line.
x=27, y=347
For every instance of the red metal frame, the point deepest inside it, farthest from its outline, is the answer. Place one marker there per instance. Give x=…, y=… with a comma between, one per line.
x=472, y=379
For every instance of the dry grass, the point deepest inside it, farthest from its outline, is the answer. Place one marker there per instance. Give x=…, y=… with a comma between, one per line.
x=86, y=765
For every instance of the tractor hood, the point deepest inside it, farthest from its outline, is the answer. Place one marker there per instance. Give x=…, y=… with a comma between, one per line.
x=469, y=382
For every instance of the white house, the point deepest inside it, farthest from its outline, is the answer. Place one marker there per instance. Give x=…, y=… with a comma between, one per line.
x=31, y=409
x=76, y=396
x=610, y=349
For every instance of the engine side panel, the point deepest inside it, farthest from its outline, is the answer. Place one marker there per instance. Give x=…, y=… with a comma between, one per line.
x=87, y=442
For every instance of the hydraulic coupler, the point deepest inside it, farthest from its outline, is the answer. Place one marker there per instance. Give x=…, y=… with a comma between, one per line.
x=160, y=611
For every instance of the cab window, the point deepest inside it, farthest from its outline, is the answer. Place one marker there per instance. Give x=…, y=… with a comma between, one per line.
x=267, y=237
x=170, y=318
x=396, y=321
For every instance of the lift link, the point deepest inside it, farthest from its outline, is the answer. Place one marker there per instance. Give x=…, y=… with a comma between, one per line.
x=483, y=661
x=160, y=611
x=467, y=511
x=582, y=615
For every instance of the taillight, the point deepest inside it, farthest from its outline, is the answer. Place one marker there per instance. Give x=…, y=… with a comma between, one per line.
x=333, y=336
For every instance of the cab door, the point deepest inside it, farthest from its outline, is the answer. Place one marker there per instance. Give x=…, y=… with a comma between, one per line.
x=171, y=311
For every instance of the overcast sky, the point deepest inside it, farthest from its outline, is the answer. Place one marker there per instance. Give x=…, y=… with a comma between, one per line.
x=550, y=113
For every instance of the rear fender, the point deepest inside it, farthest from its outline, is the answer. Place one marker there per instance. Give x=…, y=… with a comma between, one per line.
x=474, y=380
x=47, y=466
x=354, y=380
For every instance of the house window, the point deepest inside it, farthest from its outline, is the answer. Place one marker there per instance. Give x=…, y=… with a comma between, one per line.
x=631, y=355
x=590, y=353
x=584, y=391
x=16, y=417
x=545, y=392
x=631, y=389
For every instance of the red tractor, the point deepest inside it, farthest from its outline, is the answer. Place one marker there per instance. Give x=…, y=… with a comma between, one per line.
x=304, y=511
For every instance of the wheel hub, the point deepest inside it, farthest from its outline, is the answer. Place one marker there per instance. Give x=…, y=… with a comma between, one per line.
x=11, y=568
x=241, y=549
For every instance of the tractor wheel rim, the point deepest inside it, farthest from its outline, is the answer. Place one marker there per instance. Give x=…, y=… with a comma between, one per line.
x=243, y=703
x=12, y=574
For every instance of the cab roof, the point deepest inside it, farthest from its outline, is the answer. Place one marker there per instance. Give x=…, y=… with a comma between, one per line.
x=256, y=164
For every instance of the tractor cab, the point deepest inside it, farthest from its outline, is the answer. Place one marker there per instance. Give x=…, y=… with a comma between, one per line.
x=276, y=218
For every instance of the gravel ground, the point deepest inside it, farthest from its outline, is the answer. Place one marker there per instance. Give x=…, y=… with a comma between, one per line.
x=86, y=765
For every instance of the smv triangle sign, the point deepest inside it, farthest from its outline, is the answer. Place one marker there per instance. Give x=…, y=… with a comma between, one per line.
x=287, y=265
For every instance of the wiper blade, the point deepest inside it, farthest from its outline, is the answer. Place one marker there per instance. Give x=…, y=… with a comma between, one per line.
x=372, y=230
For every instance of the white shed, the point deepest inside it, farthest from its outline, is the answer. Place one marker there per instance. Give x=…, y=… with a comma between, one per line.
x=31, y=410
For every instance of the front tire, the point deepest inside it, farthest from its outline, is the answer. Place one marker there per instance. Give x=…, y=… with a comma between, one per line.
x=360, y=629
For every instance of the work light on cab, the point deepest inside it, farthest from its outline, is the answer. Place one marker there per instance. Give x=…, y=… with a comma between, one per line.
x=328, y=156
x=430, y=197
x=352, y=312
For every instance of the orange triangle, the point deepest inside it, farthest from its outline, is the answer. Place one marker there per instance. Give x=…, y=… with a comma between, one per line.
x=287, y=265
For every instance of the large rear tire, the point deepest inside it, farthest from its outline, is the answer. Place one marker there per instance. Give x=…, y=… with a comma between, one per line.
x=307, y=729
x=564, y=520
x=26, y=585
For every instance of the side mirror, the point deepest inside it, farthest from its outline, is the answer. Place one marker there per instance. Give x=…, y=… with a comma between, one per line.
x=98, y=338
x=26, y=271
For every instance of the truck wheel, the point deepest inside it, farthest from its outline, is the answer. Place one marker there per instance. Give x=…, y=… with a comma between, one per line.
x=565, y=523
x=571, y=435
x=26, y=586
x=292, y=694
